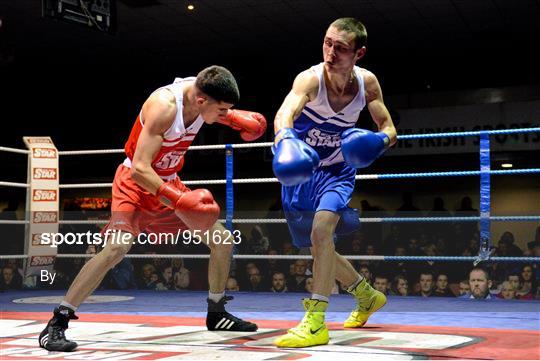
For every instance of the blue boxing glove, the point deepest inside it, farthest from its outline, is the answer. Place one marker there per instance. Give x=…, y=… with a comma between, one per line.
x=360, y=147
x=294, y=161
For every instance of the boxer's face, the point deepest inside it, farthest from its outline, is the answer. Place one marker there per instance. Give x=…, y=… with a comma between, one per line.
x=339, y=52
x=212, y=110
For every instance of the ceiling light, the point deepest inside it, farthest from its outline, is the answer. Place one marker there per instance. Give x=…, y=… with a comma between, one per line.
x=507, y=165
x=191, y=7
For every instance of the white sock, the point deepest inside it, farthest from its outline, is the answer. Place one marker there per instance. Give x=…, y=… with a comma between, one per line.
x=68, y=305
x=215, y=296
x=319, y=297
x=356, y=283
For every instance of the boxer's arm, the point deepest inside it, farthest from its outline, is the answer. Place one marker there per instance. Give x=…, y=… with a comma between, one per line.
x=377, y=108
x=158, y=113
x=305, y=88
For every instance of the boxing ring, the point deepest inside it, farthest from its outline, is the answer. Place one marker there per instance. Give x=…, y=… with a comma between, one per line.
x=136, y=324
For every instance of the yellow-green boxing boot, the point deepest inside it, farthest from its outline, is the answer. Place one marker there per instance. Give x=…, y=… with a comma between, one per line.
x=368, y=300
x=311, y=331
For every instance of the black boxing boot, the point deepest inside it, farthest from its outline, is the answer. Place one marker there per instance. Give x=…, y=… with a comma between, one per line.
x=52, y=338
x=218, y=319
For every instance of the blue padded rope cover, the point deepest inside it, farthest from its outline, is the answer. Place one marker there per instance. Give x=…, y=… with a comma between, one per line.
x=229, y=186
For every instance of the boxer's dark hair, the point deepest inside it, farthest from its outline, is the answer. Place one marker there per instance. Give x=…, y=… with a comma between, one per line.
x=355, y=26
x=219, y=84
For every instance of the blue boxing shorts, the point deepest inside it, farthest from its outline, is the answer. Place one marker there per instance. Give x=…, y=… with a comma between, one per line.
x=330, y=189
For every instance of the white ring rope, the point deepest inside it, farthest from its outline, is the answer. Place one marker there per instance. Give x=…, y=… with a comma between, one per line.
x=14, y=184
x=193, y=147
x=14, y=150
x=203, y=256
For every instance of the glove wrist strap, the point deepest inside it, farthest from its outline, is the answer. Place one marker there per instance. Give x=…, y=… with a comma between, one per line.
x=168, y=194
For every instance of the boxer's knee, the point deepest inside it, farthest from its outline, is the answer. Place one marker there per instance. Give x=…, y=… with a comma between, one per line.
x=321, y=238
x=220, y=239
x=114, y=252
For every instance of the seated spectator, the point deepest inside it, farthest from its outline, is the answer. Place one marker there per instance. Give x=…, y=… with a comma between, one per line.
x=278, y=282
x=259, y=243
x=512, y=250
x=255, y=280
x=9, y=281
x=181, y=278
x=400, y=286
x=167, y=278
x=274, y=265
x=288, y=248
x=441, y=287
x=529, y=287
x=123, y=275
x=309, y=285
x=146, y=281
x=297, y=281
x=507, y=291
x=464, y=288
x=231, y=285
x=480, y=283
x=365, y=272
x=381, y=284
x=426, y=285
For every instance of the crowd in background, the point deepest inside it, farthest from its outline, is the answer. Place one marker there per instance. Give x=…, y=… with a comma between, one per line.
x=508, y=280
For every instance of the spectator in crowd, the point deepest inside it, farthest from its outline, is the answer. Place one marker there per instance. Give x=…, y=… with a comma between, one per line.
x=381, y=284
x=288, y=248
x=274, y=265
x=278, y=282
x=400, y=286
x=259, y=243
x=147, y=282
x=507, y=291
x=365, y=272
x=441, y=287
x=309, y=285
x=480, y=283
x=167, y=278
x=511, y=249
x=122, y=276
x=398, y=267
x=9, y=281
x=232, y=285
x=14, y=264
x=182, y=276
x=255, y=280
x=426, y=285
x=528, y=283
x=297, y=282
x=464, y=288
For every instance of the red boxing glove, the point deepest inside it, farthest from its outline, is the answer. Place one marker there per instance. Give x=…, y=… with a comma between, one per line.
x=250, y=124
x=197, y=208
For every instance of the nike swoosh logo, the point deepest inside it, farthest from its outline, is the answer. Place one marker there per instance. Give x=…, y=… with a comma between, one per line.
x=317, y=330
x=368, y=307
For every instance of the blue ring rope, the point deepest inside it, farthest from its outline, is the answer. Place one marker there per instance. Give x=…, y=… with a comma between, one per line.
x=229, y=156
x=456, y=173
x=468, y=134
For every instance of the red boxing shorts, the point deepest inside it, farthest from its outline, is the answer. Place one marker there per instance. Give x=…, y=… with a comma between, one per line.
x=134, y=209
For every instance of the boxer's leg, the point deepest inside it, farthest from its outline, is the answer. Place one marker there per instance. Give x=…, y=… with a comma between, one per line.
x=93, y=272
x=218, y=319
